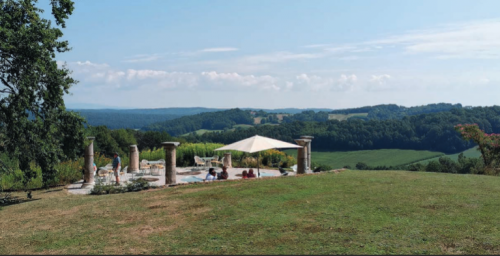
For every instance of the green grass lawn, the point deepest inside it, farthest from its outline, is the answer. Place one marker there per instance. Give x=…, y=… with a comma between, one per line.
x=471, y=152
x=352, y=212
x=379, y=157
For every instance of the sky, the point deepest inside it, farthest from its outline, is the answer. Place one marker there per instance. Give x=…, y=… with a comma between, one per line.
x=282, y=54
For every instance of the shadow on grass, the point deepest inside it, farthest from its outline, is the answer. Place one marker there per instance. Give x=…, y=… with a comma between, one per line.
x=55, y=190
x=16, y=200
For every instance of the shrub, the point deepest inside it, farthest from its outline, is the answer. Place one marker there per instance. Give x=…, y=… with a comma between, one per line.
x=418, y=167
x=136, y=185
x=433, y=166
x=361, y=166
x=323, y=167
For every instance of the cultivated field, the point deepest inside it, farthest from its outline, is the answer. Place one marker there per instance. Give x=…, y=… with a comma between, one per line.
x=342, y=117
x=202, y=131
x=472, y=152
x=352, y=212
x=379, y=157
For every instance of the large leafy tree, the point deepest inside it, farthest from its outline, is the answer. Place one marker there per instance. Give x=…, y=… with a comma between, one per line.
x=35, y=127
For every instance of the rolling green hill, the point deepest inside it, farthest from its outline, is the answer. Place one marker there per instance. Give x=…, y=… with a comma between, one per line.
x=379, y=157
x=471, y=152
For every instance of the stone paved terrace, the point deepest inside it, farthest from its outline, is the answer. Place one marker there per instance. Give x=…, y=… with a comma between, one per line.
x=184, y=175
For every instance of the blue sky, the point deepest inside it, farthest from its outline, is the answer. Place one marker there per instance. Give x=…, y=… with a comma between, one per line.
x=280, y=54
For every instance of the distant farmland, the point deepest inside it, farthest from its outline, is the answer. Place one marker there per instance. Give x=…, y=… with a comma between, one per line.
x=471, y=152
x=378, y=157
x=203, y=131
x=342, y=117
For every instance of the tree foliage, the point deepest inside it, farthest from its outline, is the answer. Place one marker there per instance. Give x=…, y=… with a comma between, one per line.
x=34, y=123
x=210, y=121
x=433, y=131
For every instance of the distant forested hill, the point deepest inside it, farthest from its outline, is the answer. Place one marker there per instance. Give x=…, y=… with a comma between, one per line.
x=136, y=118
x=393, y=111
x=433, y=131
x=210, y=121
x=289, y=110
x=139, y=118
x=378, y=112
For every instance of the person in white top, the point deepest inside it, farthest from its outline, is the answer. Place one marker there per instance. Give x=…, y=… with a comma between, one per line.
x=211, y=175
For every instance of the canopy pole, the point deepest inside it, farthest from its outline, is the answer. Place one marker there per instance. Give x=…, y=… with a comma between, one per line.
x=258, y=165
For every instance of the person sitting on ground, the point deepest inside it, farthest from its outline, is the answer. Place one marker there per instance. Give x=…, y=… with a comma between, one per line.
x=244, y=174
x=211, y=175
x=251, y=174
x=224, y=175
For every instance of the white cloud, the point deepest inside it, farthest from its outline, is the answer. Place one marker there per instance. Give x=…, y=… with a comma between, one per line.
x=237, y=81
x=142, y=58
x=316, y=45
x=474, y=40
x=380, y=79
x=220, y=49
x=280, y=57
x=347, y=79
x=316, y=83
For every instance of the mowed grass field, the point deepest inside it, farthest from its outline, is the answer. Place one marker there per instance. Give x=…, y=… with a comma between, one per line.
x=378, y=157
x=471, y=152
x=352, y=212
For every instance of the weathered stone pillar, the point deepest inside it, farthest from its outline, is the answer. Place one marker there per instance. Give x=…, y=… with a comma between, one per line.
x=170, y=170
x=133, y=166
x=308, y=150
x=227, y=160
x=89, y=164
x=302, y=155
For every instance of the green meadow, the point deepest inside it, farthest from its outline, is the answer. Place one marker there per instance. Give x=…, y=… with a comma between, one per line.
x=471, y=152
x=379, y=157
x=342, y=117
x=351, y=212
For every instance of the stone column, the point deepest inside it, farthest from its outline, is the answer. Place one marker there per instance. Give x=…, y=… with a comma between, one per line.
x=89, y=164
x=308, y=150
x=133, y=166
x=227, y=160
x=302, y=155
x=170, y=154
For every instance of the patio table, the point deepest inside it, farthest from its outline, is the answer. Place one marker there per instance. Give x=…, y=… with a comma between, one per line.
x=208, y=161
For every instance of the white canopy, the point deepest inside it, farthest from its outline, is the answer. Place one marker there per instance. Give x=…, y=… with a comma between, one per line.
x=258, y=143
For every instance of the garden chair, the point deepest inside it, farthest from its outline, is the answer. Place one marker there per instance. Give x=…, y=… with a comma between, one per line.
x=123, y=172
x=101, y=175
x=144, y=167
x=215, y=159
x=294, y=168
x=217, y=162
x=155, y=171
x=198, y=161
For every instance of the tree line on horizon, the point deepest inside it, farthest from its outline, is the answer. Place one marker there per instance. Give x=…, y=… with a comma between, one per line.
x=433, y=131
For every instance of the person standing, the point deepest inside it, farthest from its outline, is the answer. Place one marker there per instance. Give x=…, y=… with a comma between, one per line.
x=116, y=167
